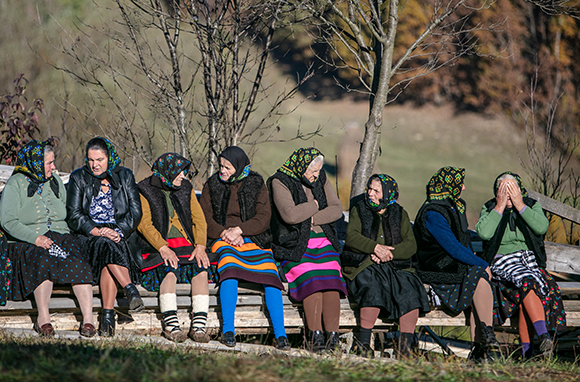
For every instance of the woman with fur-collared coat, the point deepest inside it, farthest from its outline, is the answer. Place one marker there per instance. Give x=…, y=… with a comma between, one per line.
x=237, y=210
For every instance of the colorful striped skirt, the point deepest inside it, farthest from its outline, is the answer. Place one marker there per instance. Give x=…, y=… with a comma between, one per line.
x=318, y=270
x=248, y=262
x=154, y=269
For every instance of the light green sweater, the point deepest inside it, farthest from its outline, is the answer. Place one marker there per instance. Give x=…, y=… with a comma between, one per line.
x=511, y=241
x=24, y=218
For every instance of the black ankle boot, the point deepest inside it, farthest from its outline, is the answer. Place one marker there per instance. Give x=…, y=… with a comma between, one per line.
x=316, y=342
x=406, y=342
x=107, y=327
x=132, y=294
x=332, y=341
x=489, y=344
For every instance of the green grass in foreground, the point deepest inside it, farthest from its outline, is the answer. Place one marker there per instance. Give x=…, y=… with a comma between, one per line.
x=34, y=359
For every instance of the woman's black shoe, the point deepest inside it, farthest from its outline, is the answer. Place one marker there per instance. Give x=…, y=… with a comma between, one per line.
x=229, y=339
x=406, y=345
x=489, y=344
x=332, y=341
x=282, y=343
x=362, y=350
x=107, y=327
x=135, y=302
x=316, y=342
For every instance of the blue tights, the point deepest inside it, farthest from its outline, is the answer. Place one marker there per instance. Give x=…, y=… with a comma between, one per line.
x=229, y=299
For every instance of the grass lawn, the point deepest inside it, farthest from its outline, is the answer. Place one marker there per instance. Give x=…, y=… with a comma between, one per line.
x=35, y=359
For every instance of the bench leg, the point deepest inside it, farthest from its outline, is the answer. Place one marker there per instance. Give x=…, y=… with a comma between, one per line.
x=437, y=339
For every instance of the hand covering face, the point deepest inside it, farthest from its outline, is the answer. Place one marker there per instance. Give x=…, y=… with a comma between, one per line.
x=30, y=162
x=166, y=168
x=390, y=192
x=512, y=214
x=238, y=158
x=298, y=163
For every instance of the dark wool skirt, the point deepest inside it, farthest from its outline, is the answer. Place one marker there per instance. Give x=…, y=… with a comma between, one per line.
x=101, y=251
x=154, y=269
x=5, y=270
x=32, y=265
x=509, y=298
x=396, y=292
x=455, y=298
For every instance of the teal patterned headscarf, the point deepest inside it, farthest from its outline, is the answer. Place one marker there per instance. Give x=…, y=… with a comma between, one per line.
x=390, y=192
x=298, y=163
x=166, y=168
x=30, y=162
x=113, y=162
x=447, y=183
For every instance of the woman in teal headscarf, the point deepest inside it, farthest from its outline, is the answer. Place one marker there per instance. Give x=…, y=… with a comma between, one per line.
x=104, y=208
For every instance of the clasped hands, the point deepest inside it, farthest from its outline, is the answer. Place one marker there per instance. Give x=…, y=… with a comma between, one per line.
x=109, y=233
x=382, y=254
x=233, y=236
x=170, y=258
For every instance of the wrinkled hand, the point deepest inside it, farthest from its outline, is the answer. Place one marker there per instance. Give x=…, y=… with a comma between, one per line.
x=110, y=233
x=233, y=236
x=515, y=195
x=169, y=257
x=200, y=256
x=43, y=242
x=383, y=253
x=501, y=197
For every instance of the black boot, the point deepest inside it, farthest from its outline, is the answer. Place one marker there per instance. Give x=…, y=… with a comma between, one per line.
x=135, y=301
x=107, y=327
x=489, y=344
x=315, y=342
x=362, y=349
x=476, y=354
x=406, y=342
x=332, y=341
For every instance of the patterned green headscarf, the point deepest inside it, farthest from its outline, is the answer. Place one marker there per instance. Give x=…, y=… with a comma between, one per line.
x=112, y=161
x=390, y=192
x=296, y=165
x=30, y=162
x=447, y=183
x=518, y=180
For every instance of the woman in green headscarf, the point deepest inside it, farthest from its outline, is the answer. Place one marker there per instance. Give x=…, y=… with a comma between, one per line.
x=376, y=261
x=104, y=208
x=305, y=208
x=458, y=278
x=512, y=226
x=42, y=251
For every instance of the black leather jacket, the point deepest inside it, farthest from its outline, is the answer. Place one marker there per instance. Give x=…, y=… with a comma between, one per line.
x=125, y=200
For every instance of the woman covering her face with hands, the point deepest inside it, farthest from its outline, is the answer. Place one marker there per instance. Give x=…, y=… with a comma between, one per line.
x=104, y=208
x=512, y=226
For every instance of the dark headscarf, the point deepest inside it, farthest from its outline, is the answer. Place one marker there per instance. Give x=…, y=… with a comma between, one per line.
x=166, y=168
x=30, y=162
x=298, y=163
x=390, y=192
x=113, y=168
x=238, y=158
x=446, y=185
x=512, y=215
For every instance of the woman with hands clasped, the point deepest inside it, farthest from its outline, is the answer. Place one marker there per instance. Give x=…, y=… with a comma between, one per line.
x=237, y=210
x=174, y=229
x=104, y=208
x=512, y=226
x=376, y=263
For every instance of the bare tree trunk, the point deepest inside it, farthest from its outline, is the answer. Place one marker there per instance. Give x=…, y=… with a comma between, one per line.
x=369, y=149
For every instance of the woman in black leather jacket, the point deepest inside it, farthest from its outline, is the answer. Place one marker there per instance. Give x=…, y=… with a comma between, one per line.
x=103, y=206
